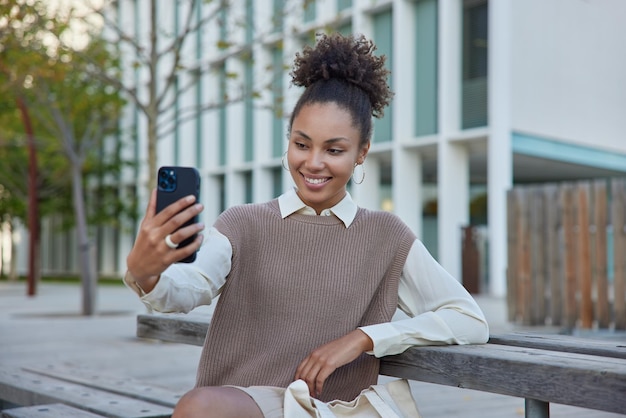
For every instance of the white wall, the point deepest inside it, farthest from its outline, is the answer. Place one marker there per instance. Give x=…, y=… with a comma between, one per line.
x=569, y=70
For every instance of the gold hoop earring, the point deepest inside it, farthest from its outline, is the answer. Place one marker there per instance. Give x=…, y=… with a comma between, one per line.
x=362, y=174
x=282, y=162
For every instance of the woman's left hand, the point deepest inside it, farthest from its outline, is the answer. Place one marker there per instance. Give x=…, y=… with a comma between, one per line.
x=324, y=360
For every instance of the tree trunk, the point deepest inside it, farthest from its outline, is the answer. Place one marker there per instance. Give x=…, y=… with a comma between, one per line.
x=153, y=107
x=33, y=203
x=88, y=275
x=13, y=261
x=152, y=153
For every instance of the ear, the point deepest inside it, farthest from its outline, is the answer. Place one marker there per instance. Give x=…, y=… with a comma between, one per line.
x=363, y=153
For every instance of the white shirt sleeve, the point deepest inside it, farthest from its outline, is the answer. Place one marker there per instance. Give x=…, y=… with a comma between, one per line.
x=440, y=310
x=185, y=286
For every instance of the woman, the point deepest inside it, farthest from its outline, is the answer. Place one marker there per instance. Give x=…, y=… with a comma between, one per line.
x=308, y=282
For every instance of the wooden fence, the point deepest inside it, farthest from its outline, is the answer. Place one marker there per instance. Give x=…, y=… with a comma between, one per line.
x=567, y=254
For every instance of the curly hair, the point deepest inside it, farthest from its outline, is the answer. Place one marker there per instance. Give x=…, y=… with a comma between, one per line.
x=343, y=70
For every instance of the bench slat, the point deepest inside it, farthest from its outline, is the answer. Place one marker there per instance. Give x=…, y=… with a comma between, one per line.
x=57, y=410
x=565, y=343
x=173, y=328
x=21, y=387
x=124, y=386
x=567, y=378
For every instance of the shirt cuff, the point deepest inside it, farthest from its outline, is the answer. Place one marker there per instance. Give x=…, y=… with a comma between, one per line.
x=132, y=284
x=395, y=337
x=146, y=298
x=377, y=333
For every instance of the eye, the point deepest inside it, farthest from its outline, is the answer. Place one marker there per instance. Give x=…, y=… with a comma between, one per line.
x=335, y=151
x=300, y=145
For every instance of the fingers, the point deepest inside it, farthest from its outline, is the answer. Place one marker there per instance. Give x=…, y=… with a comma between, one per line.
x=150, y=254
x=151, y=209
x=314, y=370
x=178, y=212
x=324, y=360
x=171, y=211
x=184, y=251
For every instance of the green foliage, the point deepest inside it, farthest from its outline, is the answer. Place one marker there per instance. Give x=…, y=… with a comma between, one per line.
x=74, y=114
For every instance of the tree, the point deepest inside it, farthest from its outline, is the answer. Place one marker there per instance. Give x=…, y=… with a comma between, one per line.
x=13, y=38
x=159, y=56
x=54, y=79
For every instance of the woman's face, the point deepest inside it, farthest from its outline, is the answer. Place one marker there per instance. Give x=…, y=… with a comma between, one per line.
x=323, y=149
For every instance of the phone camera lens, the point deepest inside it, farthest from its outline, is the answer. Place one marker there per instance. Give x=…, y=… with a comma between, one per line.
x=167, y=180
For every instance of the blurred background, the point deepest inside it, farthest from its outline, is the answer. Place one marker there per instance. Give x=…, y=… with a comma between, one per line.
x=504, y=148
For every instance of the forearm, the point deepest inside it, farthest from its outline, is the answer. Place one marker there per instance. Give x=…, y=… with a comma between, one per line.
x=445, y=326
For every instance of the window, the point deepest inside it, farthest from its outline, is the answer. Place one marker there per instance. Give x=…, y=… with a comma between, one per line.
x=475, y=51
x=247, y=180
x=343, y=5
x=278, y=18
x=382, y=23
x=277, y=102
x=309, y=11
x=249, y=108
x=426, y=67
x=222, y=122
x=345, y=29
x=277, y=181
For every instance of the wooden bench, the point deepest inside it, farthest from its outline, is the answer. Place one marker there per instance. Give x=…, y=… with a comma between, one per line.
x=56, y=410
x=537, y=367
x=83, y=393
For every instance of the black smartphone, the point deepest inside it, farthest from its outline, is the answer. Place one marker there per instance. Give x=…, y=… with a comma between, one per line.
x=173, y=183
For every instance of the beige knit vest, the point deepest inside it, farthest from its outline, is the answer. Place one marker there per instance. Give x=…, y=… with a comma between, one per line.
x=295, y=284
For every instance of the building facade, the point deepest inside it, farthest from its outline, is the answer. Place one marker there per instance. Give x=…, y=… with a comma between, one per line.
x=488, y=94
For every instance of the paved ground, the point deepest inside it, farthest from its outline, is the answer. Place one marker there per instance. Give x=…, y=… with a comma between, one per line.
x=47, y=329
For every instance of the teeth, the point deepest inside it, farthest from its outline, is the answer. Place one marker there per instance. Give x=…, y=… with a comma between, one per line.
x=314, y=181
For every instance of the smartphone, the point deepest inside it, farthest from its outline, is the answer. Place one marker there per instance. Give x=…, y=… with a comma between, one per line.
x=173, y=183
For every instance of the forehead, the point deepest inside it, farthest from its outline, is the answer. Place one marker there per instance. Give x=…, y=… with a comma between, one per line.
x=324, y=121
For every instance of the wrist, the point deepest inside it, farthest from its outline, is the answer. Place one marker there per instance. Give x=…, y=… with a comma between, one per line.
x=365, y=342
x=142, y=286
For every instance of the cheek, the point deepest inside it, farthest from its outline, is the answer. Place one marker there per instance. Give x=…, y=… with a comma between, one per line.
x=293, y=159
x=345, y=167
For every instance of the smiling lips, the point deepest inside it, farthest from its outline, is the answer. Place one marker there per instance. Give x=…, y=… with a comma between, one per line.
x=316, y=181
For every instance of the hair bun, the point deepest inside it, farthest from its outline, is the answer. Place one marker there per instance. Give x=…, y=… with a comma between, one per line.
x=346, y=58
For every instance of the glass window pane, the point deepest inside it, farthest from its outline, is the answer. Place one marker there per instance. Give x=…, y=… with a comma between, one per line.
x=475, y=51
x=343, y=4
x=426, y=67
x=384, y=43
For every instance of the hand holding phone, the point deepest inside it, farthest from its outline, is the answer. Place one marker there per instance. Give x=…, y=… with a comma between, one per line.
x=174, y=183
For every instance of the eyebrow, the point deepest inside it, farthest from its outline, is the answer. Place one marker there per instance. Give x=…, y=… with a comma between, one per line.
x=328, y=141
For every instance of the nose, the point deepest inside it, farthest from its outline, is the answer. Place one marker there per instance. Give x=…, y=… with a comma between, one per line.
x=315, y=161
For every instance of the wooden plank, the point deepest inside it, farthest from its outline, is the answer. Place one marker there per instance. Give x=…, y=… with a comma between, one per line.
x=524, y=265
x=56, y=410
x=470, y=260
x=512, y=262
x=28, y=389
x=618, y=214
x=600, y=254
x=161, y=325
x=170, y=328
x=536, y=252
x=173, y=328
x=567, y=378
x=567, y=255
x=553, y=266
x=564, y=343
x=583, y=256
x=120, y=385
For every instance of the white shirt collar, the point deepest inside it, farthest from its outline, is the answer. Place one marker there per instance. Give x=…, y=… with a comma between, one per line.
x=290, y=203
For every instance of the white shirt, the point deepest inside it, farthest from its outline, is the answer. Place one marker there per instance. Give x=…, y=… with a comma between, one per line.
x=439, y=309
